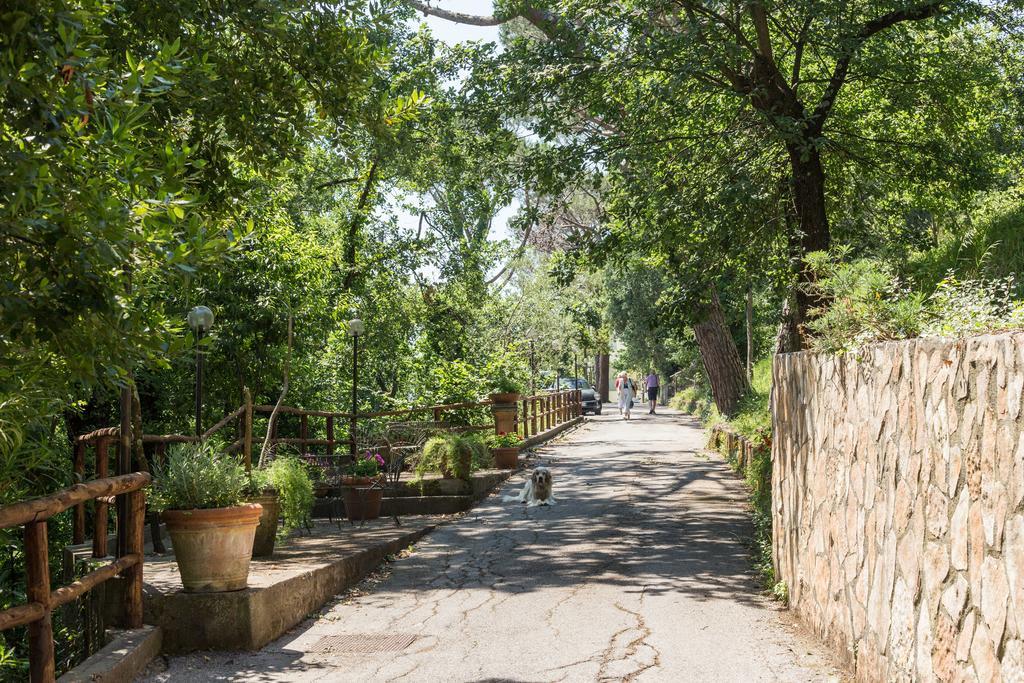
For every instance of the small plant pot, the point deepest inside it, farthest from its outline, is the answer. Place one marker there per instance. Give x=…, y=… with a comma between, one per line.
x=362, y=502
x=266, y=532
x=504, y=397
x=213, y=547
x=506, y=458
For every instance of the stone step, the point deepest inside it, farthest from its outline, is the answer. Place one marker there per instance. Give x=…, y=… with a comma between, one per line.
x=121, y=659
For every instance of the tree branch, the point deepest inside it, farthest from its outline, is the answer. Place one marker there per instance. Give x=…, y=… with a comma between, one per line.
x=544, y=20
x=518, y=253
x=925, y=10
x=760, y=19
x=333, y=183
x=457, y=17
x=798, y=51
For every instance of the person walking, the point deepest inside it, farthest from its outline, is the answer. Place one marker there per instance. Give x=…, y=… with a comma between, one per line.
x=652, y=391
x=626, y=391
x=619, y=378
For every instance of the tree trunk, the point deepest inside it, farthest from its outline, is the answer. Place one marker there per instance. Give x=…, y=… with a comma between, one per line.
x=812, y=234
x=787, y=339
x=750, y=332
x=721, y=358
x=602, y=377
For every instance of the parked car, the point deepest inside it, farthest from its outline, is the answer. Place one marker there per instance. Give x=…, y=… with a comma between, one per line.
x=591, y=401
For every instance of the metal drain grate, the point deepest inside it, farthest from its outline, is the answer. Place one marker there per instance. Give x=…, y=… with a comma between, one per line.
x=363, y=642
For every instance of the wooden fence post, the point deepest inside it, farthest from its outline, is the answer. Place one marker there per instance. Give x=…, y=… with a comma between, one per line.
x=99, y=531
x=533, y=416
x=40, y=632
x=135, y=503
x=247, y=429
x=124, y=466
x=78, y=528
x=330, y=435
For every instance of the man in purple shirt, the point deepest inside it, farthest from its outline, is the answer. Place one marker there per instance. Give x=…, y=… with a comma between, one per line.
x=652, y=391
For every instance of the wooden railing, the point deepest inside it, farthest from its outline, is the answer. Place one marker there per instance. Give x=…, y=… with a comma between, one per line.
x=329, y=440
x=543, y=412
x=32, y=514
x=732, y=445
x=100, y=441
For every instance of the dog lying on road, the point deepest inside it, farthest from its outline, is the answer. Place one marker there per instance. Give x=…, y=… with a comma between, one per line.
x=537, y=490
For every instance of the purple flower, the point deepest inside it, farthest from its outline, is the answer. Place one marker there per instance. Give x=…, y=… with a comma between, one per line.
x=379, y=459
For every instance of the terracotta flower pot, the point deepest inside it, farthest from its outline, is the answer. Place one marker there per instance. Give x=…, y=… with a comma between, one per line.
x=361, y=501
x=266, y=532
x=504, y=397
x=213, y=547
x=506, y=458
x=349, y=480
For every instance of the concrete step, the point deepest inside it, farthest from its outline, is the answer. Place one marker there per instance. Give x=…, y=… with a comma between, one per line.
x=120, y=660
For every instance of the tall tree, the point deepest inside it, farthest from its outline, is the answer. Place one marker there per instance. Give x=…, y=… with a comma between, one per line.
x=789, y=63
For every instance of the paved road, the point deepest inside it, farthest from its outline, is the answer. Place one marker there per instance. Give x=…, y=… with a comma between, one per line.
x=639, y=573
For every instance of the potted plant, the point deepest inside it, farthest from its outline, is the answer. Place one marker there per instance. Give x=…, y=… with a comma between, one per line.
x=505, y=448
x=284, y=486
x=504, y=385
x=448, y=454
x=260, y=490
x=200, y=495
x=360, y=487
x=504, y=390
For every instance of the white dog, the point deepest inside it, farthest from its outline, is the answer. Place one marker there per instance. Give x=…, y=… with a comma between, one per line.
x=537, y=490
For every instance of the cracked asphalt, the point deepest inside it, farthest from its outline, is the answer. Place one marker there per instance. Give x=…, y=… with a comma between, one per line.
x=641, y=572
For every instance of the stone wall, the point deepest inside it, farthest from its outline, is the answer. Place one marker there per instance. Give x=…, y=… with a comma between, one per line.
x=898, y=481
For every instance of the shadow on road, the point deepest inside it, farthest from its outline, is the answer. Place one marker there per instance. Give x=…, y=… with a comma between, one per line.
x=640, y=512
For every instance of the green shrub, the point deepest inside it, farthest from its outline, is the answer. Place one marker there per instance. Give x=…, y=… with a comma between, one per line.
x=289, y=476
x=482, y=459
x=449, y=454
x=694, y=400
x=197, y=476
x=989, y=245
x=506, y=372
x=863, y=301
x=969, y=307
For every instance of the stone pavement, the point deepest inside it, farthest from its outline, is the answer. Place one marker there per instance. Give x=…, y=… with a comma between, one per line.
x=639, y=573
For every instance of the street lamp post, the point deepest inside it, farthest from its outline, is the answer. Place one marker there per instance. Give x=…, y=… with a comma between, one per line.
x=200, y=319
x=355, y=330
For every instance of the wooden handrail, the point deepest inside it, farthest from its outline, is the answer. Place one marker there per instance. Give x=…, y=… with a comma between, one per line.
x=21, y=615
x=41, y=509
x=227, y=418
x=84, y=584
x=299, y=411
x=99, y=434
x=41, y=601
x=380, y=413
x=169, y=438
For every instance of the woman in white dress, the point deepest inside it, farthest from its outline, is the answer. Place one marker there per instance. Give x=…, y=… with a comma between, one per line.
x=626, y=391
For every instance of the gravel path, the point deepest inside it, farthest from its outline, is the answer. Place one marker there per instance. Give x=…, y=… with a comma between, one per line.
x=639, y=573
